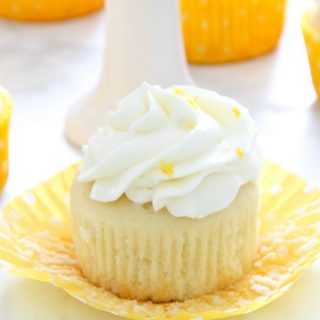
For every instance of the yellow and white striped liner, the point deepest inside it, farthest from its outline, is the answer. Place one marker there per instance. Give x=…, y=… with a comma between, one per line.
x=47, y=10
x=5, y=115
x=228, y=30
x=36, y=242
x=312, y=40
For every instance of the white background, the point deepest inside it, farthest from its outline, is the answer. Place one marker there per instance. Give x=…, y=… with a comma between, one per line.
x=47, y=66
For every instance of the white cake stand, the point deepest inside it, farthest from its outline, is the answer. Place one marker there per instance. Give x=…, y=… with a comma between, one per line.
x=144, y=43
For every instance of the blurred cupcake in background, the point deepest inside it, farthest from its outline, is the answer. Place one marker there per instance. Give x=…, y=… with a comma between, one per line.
x=228, y=30
x=5, y=115
x=47, y=10
x=311, y=31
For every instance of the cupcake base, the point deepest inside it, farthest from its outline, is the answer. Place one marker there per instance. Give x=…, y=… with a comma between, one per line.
x=5, y=115
x=47, y=10
x=138, y=254
x=217, y=31
x=312, y=41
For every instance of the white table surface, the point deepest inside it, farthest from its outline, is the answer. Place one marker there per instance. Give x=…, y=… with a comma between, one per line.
x=47, y=66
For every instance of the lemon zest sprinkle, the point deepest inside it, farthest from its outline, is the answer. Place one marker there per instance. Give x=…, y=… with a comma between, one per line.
x=192, y=102
x=190, y=125
x=240, y=152
x=236, y=112
x=179, y=91
x=190, y=99
x=167, y=168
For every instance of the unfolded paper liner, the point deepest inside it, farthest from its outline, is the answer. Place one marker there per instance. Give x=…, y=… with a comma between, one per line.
x=228, y=30
x=5, y=115
x=312, y=40
x=36, y=242
x=47, y=10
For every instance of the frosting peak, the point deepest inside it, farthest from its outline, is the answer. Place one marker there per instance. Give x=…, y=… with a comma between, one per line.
x=185, y=149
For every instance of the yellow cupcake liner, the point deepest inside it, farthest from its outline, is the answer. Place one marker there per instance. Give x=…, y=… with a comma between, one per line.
x=5, y=115
x=228, y=30
x=36, y=242
x=47, y=10
x=312, y=40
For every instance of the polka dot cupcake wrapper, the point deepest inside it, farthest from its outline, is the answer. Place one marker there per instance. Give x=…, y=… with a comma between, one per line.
x=36, y=243
x=47, y=10
x=5, y=115
x=224, y=30
x=312, y=40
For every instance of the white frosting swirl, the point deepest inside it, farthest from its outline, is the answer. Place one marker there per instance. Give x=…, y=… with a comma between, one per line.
x=185, y=149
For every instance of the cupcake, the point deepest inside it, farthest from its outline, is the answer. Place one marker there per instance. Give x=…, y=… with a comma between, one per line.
x=311, y=31
x=47, y=10
x=165, y=206
x=5, y=115
x=228, y=30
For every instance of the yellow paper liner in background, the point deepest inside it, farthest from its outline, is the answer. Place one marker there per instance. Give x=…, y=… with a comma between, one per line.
x=5, y=115
x=36, y=242
x=312, y=40
x=228, y=30
x=47, y=10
